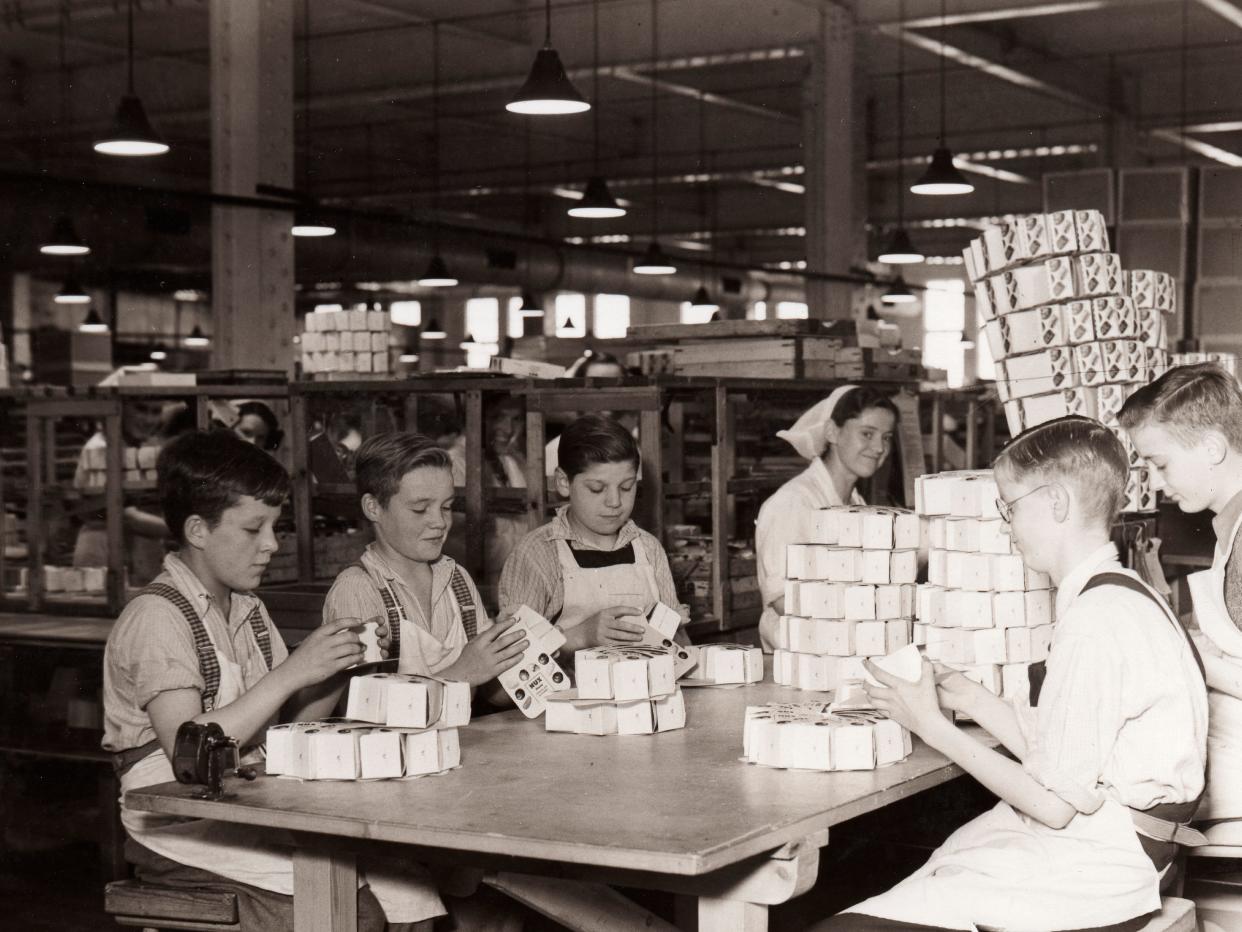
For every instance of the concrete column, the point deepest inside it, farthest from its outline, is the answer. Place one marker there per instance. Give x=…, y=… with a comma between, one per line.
x=251, y=144
x=834, y=234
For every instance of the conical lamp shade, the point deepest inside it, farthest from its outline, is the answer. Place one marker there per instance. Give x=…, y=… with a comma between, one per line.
x=433, y=331
x=437, y=275
x=900, y=249
x=159, y=353
x=309, y=221
x=702, y=301
x=530, y=306
x=132, y=133
x=64, y=240
x=196, y=337
x=654, y=261
x=93, y=323
x=72, y=293
x=597, y=202
x=548, y=90
x=898, y=293
x=942, y=176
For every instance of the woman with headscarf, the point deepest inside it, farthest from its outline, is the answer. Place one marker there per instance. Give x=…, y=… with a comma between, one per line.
x=846, y=437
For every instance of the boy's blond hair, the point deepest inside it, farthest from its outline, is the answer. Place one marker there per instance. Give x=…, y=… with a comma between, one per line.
x=1076, y=451
x=1187, y=401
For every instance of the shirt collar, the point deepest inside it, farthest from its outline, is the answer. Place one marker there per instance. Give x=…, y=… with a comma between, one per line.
x=1103, y=557
x=823, y=479
x=1224, y=522
x=562, y=529
x=382, y=571
x=185, y=581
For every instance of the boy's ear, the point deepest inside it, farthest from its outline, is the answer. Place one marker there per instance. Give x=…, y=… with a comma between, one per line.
x=562, y=482
x=195, y=531
x=371, y=507
x=1216, y=446
x=1061, y=501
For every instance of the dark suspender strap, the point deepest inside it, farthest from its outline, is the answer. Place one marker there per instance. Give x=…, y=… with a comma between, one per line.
x=123, y=761
x=393, y=610
x=208, y=666
x=465, y=602
x=262, y=636
x=1038, y=671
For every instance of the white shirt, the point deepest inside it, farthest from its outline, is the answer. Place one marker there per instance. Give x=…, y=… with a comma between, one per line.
x=1123, y=711
x=783, y=520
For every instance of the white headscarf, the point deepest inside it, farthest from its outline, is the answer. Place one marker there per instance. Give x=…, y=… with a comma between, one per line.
x=809, y=434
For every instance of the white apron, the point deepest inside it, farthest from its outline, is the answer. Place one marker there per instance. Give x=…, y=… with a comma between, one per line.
x=260, y=857
x=589, y=590
x=1223, y=799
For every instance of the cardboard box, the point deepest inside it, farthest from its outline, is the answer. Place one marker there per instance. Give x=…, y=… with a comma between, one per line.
x=1150, y=289
x=379, y=754
x=623, y=673
x=1040, y=373
x=737, y=663
x=1114, y=318
x=874, y=528
x=538, y=673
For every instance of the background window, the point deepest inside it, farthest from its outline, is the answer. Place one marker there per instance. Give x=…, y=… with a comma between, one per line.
x=570, y=314
x=482, y=331
x=695, y=315
x=791, y=310
x=612, y=316
x=406, y=313
x=944, y=318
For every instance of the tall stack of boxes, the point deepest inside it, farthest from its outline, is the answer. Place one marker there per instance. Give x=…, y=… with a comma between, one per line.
x=1071, y=332
x=982, y=610
x=849, y=594
x=350, y=342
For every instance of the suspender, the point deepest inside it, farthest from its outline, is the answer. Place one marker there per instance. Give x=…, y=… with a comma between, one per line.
x=392, y=609
x=1038, y=671
x=208, y=665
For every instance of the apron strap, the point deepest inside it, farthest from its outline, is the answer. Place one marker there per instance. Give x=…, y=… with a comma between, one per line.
x=262, y=636
x=1169, y=822
x=1039, y=671
x=465, y=603
x=208, y=665
x=124, y=761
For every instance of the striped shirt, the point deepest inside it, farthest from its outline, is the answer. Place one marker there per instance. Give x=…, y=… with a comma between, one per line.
x=1223, y=524
x=532, y=574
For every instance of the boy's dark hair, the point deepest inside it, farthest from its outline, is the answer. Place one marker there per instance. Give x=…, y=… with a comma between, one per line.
x=1188, y=400
x=594, y=439
x=383, y=460
x=205, y=473
x=581, y=367
x=858, y=400
x=1076, y=451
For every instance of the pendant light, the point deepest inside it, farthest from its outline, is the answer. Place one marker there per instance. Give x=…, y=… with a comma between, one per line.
x=92, y=323
x=654, y=261
x=548, y=90
x=308, y=220
x=900, y=249
x=132, y=133
x=437, y=274
x=702, y=300
x=72, y=293
x=197, y=338
x=898, y=293
x=529, y=307
x=64, y=240
x=942, y=176
x=433, y=331
x=159, y=353
x=597, y=201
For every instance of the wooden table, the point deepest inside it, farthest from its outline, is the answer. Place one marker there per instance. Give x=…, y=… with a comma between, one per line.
x=676, y=812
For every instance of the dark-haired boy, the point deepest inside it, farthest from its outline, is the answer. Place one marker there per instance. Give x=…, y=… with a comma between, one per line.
x=198, y=645
x=1187, y=425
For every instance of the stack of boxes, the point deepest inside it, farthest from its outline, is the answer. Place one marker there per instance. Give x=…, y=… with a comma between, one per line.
x=75, y=580
x=1227, y=361
x=419, y=718
x=353, y=342
x=981, y=611
x=728, y=665
x=621, y=691
x=139, y=468
x=849, y=594
x=1071, y=332
x=808, y=736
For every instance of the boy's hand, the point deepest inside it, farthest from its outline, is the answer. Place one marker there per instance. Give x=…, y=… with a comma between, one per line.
x=383, y=636
x=496, y=650
x=954, y=691
x=913, y=705
x=609, y=627
x=327, y=650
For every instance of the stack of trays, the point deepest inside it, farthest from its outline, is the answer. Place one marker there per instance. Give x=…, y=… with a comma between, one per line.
x=569, y=712
x=1071, y=332
x=354, y=341
x=849, y=594
x=347, y=751
x=981, y=611
x=807, y=736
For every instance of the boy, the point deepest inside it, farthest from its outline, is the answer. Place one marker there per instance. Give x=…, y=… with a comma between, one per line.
x=198, y=645
x=437, y=621
x=1109, y=743
x=1187, y=425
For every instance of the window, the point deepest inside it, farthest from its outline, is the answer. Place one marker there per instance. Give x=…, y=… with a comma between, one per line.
x=695, y=315
x=944, y=318
x=571, y=314
x=482, y=331
x=791, y=310
x=612, y=316
x=759, y=310
x=515, y=318
x=406, y=313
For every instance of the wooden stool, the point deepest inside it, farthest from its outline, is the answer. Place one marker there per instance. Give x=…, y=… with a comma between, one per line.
x=1175, y=916
x=150, y=906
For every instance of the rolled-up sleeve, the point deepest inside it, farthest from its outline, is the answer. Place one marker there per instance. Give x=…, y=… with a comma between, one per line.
x=353, y=595
x=153, y=649
x=666, y=587
x=1077, y=721
x=527, y=578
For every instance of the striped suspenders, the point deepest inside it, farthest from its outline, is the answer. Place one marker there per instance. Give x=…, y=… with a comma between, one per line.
x=392, y=609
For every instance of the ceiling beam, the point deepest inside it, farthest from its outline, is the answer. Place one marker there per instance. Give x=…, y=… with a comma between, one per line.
x=1006, y=13
x=719, y=100
x=1225, y=9
x=405, y=16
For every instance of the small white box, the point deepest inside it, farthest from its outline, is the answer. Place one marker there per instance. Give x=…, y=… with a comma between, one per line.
x=379, y=342
x=958, y=646
x=431, y=751
x=975, y=572
x=938, y=532
x=1040, y=373
x=968, y=609
x=71, y=579
x=332, y=342
x=892, y=742
x=1041, y=642
x=937, y=566
x=853, y=747
x=989, y=646
x=732, y=663
x=821, y=600
x=278, y=747
x=810, y=746
x=1015, y=680
x=362, y=362
x=962, y=534
x=94, y=579
x=870, y=638
x=824, y=526
x=357, y=320
x=368, y=698
x=334, y=753
x=1017, y=644
x=847, y=565
x=933, y=606
x=378, y=321
x=859, y=603
x=379, y=753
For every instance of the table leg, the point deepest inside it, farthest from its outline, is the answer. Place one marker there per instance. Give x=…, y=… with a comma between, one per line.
x=325, y=890
x=731, y=916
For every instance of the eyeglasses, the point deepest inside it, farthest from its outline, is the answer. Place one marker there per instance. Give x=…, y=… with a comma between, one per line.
x=1006, y=508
